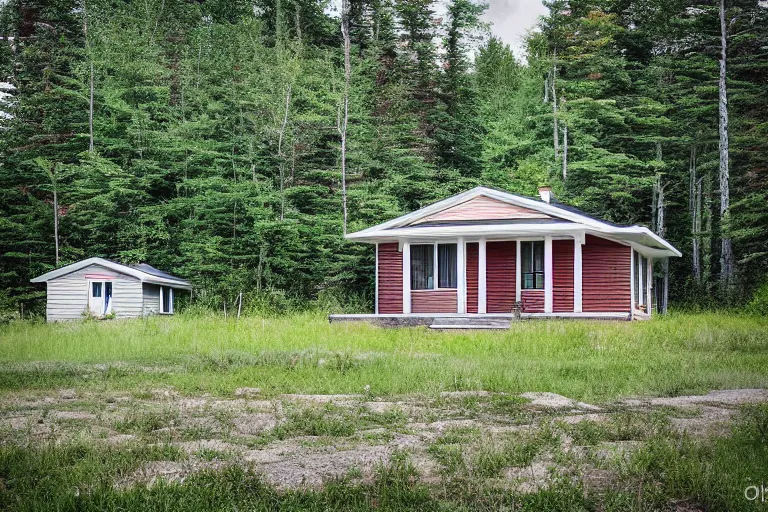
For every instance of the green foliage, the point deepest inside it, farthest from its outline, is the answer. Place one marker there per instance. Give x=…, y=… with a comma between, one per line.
x=216, y=149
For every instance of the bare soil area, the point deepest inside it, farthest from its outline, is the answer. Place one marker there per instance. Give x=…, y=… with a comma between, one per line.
x=523, y=442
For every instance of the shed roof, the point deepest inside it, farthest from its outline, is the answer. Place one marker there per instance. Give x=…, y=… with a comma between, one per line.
x=143, y=272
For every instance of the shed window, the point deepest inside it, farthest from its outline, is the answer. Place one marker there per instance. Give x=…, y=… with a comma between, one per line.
x=96, y=290
x=533, y=265
x=166, y=300
x=425, y=258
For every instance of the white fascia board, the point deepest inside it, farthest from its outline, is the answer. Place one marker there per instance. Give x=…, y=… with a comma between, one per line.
x=478, y=230
x=504, y=197
x=422, y=212
x=635, y=236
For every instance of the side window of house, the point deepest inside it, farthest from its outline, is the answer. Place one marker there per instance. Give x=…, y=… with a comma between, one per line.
x=532, y=259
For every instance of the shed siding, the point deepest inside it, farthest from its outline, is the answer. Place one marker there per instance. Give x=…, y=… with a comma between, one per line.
x=434, y=301
x=500, y=276
x=151, y=294
x=390, y=279
x=533, y=301
x=562, y=276
x=68, y=294
x=606, y=276
x=473, y=259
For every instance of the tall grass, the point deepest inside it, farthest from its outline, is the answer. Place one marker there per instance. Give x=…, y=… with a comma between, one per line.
x=303, y=353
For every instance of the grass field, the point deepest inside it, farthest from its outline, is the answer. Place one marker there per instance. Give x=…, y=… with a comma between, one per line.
x=593, y=361
x=150, y=415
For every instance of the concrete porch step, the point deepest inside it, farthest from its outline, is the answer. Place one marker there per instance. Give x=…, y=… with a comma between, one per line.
x=469, y=323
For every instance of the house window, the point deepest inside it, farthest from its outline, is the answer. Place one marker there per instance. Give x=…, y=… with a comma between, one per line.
x=533, y=265
x=426, y=258
x=166, y=300
x=446, y=265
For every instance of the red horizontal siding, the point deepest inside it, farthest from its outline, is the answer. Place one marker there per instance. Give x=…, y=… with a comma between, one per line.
x=500, y=276
x=390, y=279
x=562, y=276
x=473, y=258
x=605, y=276
x=533, y=301
x=434, y=301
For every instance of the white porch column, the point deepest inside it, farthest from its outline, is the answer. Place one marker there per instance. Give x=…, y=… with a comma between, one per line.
x=649, y=286
x=640, y=279
x=547, y=274
x=407, y=278
x=461, y=277
x=481, y=277
x=577, y=275
x=376, y=298
x=631, y=284
x=518, y=273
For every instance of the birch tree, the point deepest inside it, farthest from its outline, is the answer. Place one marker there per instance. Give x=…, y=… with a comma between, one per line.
x=344, y=115
x=726, y=250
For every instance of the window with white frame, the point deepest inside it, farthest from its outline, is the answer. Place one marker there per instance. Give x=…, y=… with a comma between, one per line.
x=166, y=300
x=532, y=260
x=428, y=258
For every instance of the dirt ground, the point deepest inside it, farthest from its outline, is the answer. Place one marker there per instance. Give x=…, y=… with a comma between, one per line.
x=305, y=440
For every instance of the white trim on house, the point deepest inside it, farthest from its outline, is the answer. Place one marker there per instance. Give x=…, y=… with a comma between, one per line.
x=649, y=284
x=548, y=269
x=482, y=277
x=632, y=284
x=406, y=278
x=142, y=276
x=461, y=277
x=643, y=239
x=518, y=272
x=376, y=298
x=577, y=275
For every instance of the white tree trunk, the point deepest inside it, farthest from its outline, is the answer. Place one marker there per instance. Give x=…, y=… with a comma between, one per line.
x=280, y=151
x=726, y=250
x=565, y=152
x=56, y=220
x=343, y=123
x=553, y=83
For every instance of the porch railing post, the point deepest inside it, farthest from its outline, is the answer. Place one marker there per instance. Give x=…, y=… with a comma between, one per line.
x=481, y=278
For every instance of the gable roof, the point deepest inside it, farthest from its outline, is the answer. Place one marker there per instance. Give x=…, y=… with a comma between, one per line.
x=143, y=272
x=565, y=220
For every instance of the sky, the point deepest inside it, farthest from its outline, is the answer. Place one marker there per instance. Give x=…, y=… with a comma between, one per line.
x=511, y=19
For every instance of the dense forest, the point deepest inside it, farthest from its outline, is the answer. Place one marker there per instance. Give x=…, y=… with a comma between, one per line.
x=232, y=142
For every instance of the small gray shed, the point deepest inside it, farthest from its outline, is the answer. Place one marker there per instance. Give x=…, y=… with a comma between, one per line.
x=101, y=287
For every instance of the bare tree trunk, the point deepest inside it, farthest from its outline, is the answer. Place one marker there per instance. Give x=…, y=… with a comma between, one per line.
x=726, y=250
x=661, y=229
x=298, y=21
x=56, y=219
x=280, y=152
x=90, y=58
x=694, y=206
x=565, y=152
x=707, y=238
x=553, y=83
x=343, y=123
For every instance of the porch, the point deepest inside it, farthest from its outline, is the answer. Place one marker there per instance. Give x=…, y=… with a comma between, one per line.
x=457, y=321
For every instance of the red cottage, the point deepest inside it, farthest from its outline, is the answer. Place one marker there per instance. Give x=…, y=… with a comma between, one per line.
x=484, y=253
